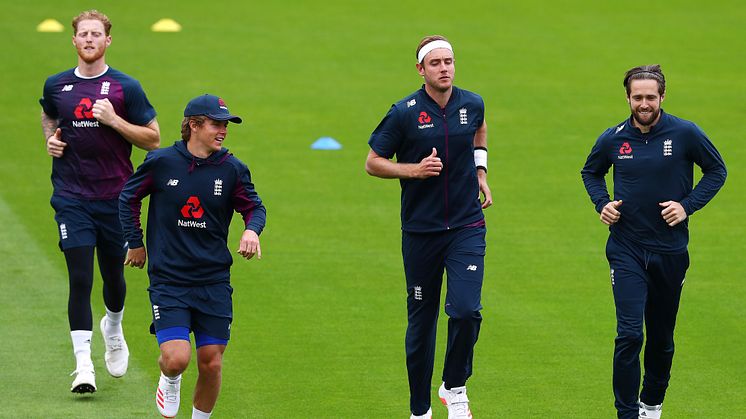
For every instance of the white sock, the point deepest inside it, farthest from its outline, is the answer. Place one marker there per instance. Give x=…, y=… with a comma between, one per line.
x=173, y=379
x=198, y=414
x=82, y=347
x=114, y=321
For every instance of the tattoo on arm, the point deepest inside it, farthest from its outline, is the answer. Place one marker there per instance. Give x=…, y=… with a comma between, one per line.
x=48, y=125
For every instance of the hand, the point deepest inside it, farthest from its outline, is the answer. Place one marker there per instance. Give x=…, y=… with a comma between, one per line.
x=104, y=112
x=55, y=145
x=673, y=213
x=429, y=166
x=136, y=257
x=249, y=245
x=610, y=214
x=484, y=188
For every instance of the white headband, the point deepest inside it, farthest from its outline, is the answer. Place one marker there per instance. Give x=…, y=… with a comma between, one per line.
x=431, y=46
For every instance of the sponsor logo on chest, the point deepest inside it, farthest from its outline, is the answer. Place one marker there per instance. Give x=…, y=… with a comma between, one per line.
x=425, y=121
x=625, y=152
x=192, y=211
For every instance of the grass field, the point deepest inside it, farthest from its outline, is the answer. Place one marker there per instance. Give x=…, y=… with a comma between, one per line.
x=319, y=321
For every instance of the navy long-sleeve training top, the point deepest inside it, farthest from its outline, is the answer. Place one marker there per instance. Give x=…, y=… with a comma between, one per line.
x=410, y=130
x=191, y=206
x=650, y=168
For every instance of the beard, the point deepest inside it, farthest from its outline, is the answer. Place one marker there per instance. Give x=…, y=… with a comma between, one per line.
x=91, y=56
x=646, y=121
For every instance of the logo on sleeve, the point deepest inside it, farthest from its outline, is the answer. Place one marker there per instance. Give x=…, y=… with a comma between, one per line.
x=411, y=103
x=424, y=121
x=625, y=152
x=192, y=209
x=667, y=148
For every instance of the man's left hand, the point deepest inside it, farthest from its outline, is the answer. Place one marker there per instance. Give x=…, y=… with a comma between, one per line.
x=104, y=112
x=484, y=188
x=249, y=245
x=673, y=213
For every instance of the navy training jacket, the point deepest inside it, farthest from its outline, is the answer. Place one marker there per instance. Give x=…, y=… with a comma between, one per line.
x=651, y=168
x=191, y=206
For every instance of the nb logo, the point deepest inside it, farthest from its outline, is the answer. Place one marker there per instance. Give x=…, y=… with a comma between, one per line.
x=172, y=182
x=67, y=87
x=471, y=268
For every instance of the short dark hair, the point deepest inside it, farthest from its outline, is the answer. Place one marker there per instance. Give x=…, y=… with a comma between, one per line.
x=92, y=14
x=186, y=130
x=646, y=72
x=426, y=40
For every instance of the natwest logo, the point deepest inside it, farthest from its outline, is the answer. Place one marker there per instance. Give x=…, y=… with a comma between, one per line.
x=193, y=208
x=424, y=118
x=84, y=110
x=625, y=151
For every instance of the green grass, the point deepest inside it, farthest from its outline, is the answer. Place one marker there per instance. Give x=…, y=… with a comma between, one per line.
x=319, y=321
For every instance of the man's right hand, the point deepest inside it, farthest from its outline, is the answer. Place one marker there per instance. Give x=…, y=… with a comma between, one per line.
x=136, y=257
x=55, y=145
x=429, y=166
x=610, y=213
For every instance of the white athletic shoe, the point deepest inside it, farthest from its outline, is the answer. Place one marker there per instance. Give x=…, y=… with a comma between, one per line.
x=456, y=401
x=427, y=415
x=117, y=354
x=85, y=380
x=167, y=397
x=650, y=412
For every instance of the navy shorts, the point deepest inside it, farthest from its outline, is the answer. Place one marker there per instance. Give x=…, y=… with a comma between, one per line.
x=206, y=309
x=83, y=223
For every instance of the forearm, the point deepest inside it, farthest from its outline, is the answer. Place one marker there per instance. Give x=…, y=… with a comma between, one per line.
x=48, y=125
x=387, y=169
x=146, y=137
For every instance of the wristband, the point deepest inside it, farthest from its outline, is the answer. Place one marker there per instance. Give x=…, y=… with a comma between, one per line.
x=480, y=158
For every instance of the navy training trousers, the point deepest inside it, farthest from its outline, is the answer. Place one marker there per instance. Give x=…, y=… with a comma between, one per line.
x=460, y=253
x=647, y=287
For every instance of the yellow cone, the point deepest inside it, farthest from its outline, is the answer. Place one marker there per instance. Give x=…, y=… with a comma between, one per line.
x=166, y=25
x=50, y=25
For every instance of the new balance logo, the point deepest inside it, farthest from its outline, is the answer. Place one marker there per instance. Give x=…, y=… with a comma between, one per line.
x=411, y=103
x=105, y=87
x=67, y=87
x=471, y=268
x=63, y=231
x=218, y=187
x=172, y=182
x=418, y=293
x=619, y=128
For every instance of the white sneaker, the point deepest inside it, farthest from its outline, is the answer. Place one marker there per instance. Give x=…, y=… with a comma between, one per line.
x=427, y=415
x=117, y=354
x=167, y=397
x=456, y=401
x=85, y=380
x=650, y=412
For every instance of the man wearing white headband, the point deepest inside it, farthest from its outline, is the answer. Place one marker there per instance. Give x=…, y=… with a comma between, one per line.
x=439, y=137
